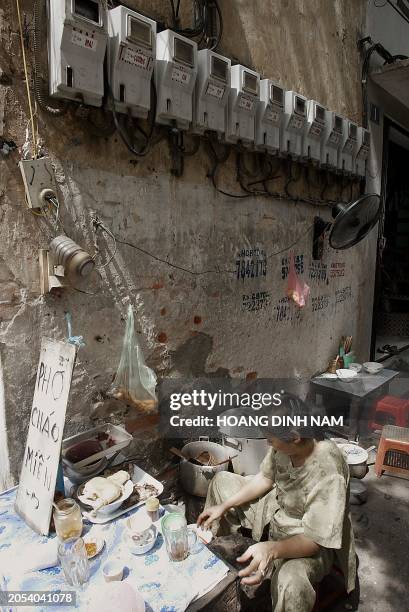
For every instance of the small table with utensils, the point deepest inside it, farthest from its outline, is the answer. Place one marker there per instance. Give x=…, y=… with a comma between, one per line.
x=363, y=388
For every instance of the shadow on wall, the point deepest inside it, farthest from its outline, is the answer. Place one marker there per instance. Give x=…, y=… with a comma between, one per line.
x=295, y=42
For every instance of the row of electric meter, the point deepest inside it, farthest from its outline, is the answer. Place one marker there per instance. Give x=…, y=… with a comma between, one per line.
x=196, y=90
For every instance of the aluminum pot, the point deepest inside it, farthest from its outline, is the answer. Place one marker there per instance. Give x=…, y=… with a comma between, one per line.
x=195, y=479
x=250, y=453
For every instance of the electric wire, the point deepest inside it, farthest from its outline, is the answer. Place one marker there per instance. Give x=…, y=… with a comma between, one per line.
x=30, y=105
x=39, y=19
x=395, y=8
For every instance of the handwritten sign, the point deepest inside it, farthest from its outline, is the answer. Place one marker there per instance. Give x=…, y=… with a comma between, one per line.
x=42, y=453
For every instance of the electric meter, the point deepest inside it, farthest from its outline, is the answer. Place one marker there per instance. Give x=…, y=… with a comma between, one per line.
x=211, y=93
x=294, y=121
x=348, y=147
x=332, y=140
x=131, y=57
x=314, y=132
x=77, y=44
x=270, y=109
x=175, y=76
x=242, y=105
x=363, y=148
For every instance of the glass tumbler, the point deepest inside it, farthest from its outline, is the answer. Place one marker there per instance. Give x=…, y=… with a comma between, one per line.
x=72, y=555
x=67, y=519
x=179, y=539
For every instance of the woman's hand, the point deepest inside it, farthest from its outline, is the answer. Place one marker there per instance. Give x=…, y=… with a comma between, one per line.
x=209, y=515
x=262, y=556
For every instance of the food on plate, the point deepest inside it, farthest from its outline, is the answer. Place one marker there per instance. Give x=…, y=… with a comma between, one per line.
x=102, y=491
x=91, y=548
x=144, y=491
x=119, y=478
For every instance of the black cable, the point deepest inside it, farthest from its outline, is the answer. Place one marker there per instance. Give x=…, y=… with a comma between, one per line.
x=42, y=100
x=395, y=8
x=219, y=14
x=146, y=148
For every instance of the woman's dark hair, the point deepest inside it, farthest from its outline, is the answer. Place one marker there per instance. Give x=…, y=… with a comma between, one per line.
x=293, y=418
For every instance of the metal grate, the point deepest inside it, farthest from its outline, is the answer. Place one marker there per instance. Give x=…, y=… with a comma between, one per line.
x=397, y=459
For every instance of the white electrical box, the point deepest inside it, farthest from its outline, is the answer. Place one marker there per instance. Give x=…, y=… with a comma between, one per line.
x=175, y=77
x=270, y=109
x=211, y=93
x=348, y=147
x=363, y=148
x=332, y=140
x=131, y=58
x=314, y=132
x=294, y=121
x=242, y=105
x=76, y=47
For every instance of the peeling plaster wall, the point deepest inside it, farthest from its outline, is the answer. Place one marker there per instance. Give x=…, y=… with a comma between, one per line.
x=187, y=324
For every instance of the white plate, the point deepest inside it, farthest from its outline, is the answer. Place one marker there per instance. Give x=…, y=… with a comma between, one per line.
x=100, y=543
x=140, y=549
x=139, y=477
x=328, y=375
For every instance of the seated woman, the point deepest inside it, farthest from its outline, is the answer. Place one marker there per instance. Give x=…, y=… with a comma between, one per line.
x=302, y=491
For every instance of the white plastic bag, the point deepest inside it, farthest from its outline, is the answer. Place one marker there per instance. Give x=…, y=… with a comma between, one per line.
x=134, y=382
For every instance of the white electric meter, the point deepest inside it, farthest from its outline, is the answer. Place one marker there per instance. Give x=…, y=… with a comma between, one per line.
x=131, y=58
x=332, y=140
x=294, y=121
x=242, y=105
x=348, y=147
x=77, y=43
x=363, y=148
x=270, y=109
x=175, y=76
x=211, y=93
x=314, y=132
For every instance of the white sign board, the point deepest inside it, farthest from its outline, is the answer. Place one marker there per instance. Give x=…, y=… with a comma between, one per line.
x=42, y=453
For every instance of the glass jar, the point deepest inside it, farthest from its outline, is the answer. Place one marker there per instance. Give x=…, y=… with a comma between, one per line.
x=152, y=508
x=67, y=519
x=72, y=555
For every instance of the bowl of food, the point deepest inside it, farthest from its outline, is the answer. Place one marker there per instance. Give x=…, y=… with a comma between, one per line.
x=357, y=367
x=346, y=375
x=372, y=367
x=106, y=495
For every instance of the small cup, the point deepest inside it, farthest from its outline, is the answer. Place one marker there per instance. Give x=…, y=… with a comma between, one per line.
x=113, y=571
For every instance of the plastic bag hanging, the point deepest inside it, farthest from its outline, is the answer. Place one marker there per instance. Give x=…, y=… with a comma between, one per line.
x=134, y=382
x=297, y=289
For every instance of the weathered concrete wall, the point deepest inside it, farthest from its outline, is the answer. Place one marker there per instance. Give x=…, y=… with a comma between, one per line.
x=188, y=324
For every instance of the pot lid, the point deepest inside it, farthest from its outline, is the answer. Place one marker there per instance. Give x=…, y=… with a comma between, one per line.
x=233, y=429
x=354, y=454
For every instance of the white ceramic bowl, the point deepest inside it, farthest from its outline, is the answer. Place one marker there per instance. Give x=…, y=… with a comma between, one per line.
x=115, y=505
x=373, y=367
x=357, y=367
x=346, y=375
x=140, y=548
x=113, y=571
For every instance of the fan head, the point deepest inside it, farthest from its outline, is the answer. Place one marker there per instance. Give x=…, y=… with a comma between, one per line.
x=354, y=221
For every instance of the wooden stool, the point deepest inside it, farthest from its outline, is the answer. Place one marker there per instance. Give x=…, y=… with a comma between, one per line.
x=390, y=406
x=393, y=451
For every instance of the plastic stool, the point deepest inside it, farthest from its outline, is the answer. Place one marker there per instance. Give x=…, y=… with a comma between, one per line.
x=393, y=451
x=397, y=407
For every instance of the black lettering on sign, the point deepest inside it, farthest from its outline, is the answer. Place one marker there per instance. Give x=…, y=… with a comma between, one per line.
x=320, y=302
x=318, y=271
x=286, y=311
x=255, y=301
x=342, y=295
x=251, y=263
x=298, y=264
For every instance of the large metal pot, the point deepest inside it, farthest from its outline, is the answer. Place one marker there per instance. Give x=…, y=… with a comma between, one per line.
x=356, y=457
x=250, y=451
x=195, y=479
